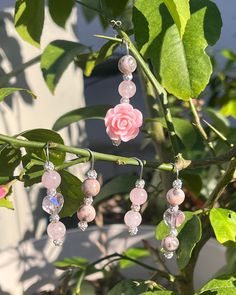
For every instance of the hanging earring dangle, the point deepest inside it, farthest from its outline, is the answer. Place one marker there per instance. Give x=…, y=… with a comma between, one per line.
x=123, y=121
x=53, y=202
x=90, y=188
x=138, y=197
x=173, y=217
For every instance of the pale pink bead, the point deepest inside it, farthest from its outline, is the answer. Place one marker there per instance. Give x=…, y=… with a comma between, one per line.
x=90, y=187
x=170, y=243
x=56, y=230
x=175, y=196
x=127, y=89
x=86, y=213
x=180, y=218
x=127, y=64
x=132, y=219
x=138, y=196
x=51, y=179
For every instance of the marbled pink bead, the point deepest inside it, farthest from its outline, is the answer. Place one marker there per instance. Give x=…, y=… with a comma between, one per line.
x=138, y=196
x=180, y=218
x=90, y=187
x=56, y=230
x=51, y=179
x=127, y=64
x=86, y=213
x=170, y=243
x=132, y=219
x=127, y=89
x=175, y=196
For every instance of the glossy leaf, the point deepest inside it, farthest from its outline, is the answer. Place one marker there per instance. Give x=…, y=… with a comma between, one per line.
x=229, y=54
x=10, y=158
x=118, y=185
x=188, y=237
x=45, y=135
x=223, y=285
x=4, y=92
x=90, y=112
x=180, y=12
x=229, y=108
x=160, y=293
x=223, y=222
x=73, y=262
x=182, y=64
x=71, y=190
x=29, y=20
x=6, y=203
x=218, y=120
x=60, y=10
x=192, y=182
x=55, y=59
x=135, y=253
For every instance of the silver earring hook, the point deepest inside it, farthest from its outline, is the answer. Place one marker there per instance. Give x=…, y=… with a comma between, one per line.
x=126, y=46
x=176, y=169
x=47, y=152
x=91, y=158
x=141, y=168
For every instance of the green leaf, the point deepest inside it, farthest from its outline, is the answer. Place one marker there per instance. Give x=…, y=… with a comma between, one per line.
x=223, y=285
x=90, y=112
x=223, y=222
x=6, y=203
x=188, y=237
x=29, y=20
x=55, y=59
x=60, y=10
x=118, y=185
x=88, y=61
x=8, y=91
x=71, y=190
x=45, y=135
x=229, y=54
x=72, y=262
x=160, y=293
x=10, y=158
x=229, y=108
x=135, y=253
x=180, y=12
x=218, y=120
x=183, y=128
x=192, y=182
x=182, y=64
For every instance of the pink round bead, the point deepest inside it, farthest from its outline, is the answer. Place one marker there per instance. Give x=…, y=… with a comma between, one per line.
x=90, y=187
x=132, y=219
x=51, y=179
x=127, y=64
x=175, y=196
x=56, y=230
x=86, y=213
x=180, y=218
x=138, y=196
x=127, y=89
x=170, y=243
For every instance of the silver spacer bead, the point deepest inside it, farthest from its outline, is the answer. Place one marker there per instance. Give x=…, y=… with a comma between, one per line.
x=58, y=242
x=83, y=225
x=128, y=77
x=52, y=192
x=49, y=166
x=92, y=174
x=133, y=231
x=135, y=208
x=88, y=200
x=173, y=232
x=116, y=142
x=124, y=100
x=168, y=255
x=174, y=209
x=140, y=183
x=177, y=184
x=54, y=218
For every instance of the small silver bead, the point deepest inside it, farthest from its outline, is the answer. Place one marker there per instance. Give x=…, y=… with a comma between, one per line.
x=83, y=225
x=168, y=255
x=173, y=232
x=124, y=100
x=177, y=184
x=92, y=174
x=135, y=208
x=51, y=192
x=49, y=166
x=54, y=218
x=116, y=142
x=88, y=200
x=128, y=77
x=133, y=231
x=140, y=183
x=58, y=242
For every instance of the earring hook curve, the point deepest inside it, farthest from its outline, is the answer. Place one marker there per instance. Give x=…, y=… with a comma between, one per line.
x=91, y=158
x=141, y=167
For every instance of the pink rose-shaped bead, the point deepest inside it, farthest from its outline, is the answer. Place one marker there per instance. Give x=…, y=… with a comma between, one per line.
x=175, y=196
x=91, y=187
x=138, y=196
x=3, y=191
x=123, y=122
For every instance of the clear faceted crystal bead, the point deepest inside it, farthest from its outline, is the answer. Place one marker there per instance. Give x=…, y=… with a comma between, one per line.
x=54, y=218
x=140, y=183
x=88, y=200
x=58, y=242
x=133, y=231
x=124, y=100
x=49, y=166
x=135, y=208
x=116, y=142
x=177, y=184
x=169, y=218
x=168, y=255
x=53, y=204
x=92, y=174
x=128, y=77
x=83, y=225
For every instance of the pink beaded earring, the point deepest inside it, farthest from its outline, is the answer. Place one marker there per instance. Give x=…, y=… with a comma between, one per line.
x=123, y=121
x=173, y=217
x=53, y=202
x=90, y=188
x=138, y=197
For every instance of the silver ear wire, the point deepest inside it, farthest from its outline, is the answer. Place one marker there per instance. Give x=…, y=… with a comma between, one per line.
x=126, y=46
x=141, y=168
x=91, y=158
x=47, y=152
x=49, y=166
